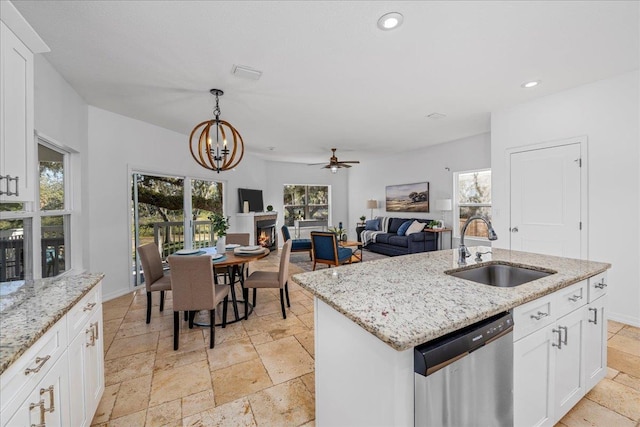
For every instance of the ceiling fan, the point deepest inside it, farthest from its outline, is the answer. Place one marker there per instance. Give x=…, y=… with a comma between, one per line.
x=334, y=164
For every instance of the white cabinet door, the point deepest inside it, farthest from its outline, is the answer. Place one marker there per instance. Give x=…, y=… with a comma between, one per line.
x=48, y=403
x=569, y=379
x=595, y=339
x=86, y=371
x=533, y=367
x=16, y=119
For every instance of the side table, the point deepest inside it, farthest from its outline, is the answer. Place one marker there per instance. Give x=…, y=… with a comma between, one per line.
x=439, y=232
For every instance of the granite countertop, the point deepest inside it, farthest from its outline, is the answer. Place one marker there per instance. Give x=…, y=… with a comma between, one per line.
x=33, y=308
x=409, y=300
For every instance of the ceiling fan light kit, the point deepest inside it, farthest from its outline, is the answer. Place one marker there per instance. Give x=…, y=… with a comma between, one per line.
x=219, y=157
x=335, y=164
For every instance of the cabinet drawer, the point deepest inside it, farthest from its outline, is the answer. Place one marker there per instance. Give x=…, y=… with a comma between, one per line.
x=80, y=313
x=570, y=298
x=597, y=286
x=532, y=316
x=20, y=378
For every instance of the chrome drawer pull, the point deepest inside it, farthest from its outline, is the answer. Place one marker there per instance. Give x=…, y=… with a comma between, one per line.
x=600, y=285
x=595, y=316
x=95, y=326
x=51, y=398
x=575, y=298
x=92, y=336
x=559, y=345
x=40, y=405
x=564, y=341
x=540, y=315
x=40, y=362
x=89, y=306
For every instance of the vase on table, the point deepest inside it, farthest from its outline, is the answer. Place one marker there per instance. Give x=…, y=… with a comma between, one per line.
x=221, y=244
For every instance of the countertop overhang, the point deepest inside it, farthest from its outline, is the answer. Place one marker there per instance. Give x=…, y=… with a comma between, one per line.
x=409, y=300
x=33, y=308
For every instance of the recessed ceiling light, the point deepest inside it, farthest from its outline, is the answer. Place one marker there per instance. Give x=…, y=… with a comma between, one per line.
x=528, y=85
x=389, y=21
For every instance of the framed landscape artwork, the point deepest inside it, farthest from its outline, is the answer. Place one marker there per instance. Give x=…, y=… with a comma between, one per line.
x=408, y=197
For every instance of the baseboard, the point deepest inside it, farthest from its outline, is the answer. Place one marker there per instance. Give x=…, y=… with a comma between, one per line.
x=622, y=318
x=118, y=293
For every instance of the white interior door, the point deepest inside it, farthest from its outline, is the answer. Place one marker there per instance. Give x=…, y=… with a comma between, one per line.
x=545, y=201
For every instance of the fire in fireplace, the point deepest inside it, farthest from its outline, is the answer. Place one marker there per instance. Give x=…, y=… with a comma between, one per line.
x=266, y=233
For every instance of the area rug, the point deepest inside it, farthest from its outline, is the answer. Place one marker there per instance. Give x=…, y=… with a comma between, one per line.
x=301, y=259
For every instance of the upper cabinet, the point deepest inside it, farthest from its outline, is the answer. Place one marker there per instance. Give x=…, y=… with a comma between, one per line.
x=18, y=42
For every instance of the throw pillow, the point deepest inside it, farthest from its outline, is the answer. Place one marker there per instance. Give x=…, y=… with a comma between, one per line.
x=372, y=224
x=403, y=228
x=415, y=227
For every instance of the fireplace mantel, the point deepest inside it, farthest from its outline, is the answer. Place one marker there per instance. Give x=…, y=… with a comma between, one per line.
x=246, y=223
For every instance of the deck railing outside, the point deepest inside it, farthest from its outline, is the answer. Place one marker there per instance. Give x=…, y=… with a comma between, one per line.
x=169, y=236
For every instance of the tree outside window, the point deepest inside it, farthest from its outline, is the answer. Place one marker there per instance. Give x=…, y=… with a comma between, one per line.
x=305, y=202
x=473, y=197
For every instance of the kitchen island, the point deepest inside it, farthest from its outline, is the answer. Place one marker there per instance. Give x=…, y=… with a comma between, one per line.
x=368, y=318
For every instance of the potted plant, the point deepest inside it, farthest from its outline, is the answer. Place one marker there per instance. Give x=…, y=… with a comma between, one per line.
x=269, y=208
x=363, y=219
x=219, y=225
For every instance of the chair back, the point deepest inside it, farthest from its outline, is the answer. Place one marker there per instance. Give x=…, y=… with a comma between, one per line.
x=285, y=233
x=192, y=283
x=283, y=273
x=324, y=246
x=238, y=239
x=151, y=264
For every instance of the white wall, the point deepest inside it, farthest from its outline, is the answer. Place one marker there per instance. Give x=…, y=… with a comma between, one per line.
x=607, y=112
x=280, y=173
x=369, y=179
x=119, y=144
x=61, y=115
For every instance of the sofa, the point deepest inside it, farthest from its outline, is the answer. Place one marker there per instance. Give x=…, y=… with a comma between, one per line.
x=381, y=235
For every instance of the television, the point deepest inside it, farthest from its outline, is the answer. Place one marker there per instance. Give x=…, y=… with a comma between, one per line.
x=254, y=197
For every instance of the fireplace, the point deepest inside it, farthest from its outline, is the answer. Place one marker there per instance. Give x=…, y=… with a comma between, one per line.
x=265, y=233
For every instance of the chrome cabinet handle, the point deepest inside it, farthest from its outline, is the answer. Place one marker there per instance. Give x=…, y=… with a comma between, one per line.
x=94, y=325
x=92, y=336
x=559, y=345
x=564, y=341
x=575, y=298
x=89, y=306
x=40, y=405
x=600, y=285
x=51, y=398
x=514, y=230
x=40, y=361
x=595, y=316
x=8, y=192
x=539, y=316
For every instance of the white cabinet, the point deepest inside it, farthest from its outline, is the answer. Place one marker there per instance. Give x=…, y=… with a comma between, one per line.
x=60, y=377
x=559, y=353
x=17, y=166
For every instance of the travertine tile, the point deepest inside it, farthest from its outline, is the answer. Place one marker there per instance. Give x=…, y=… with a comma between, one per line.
x=197, y=402
x=286, y=404
x=631, y=332
x=590, y=414
x=614, y=327
x=628, y=380
x=309, y=381
x=236, y=413
x=231, y=353
x=232, y=332
x=175, y=360
x=133, y=396
x=132, y=329
x=618, y=397
x=285, y=359
x=189, y=340
x=121, y=301
x=307, y=319
x=268, y=307
x=625, y=343
x=103, y=412
x=114, y=313
x=623, y=362
x=307, y=341
x=135, y=419
x=260, y=338
x=174, y=383
x=111, y=326
x=132, y=345
x=239, y=380
x=167, y=413
x=611, y=373
x=128, y=367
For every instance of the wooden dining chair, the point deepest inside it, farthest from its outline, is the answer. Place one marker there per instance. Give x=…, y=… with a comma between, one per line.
x=325, y=249
x=193, y=290
x=155, y=279
x=270, y=279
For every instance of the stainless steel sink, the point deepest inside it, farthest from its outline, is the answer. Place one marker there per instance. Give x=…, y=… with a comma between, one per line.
x=500, y=275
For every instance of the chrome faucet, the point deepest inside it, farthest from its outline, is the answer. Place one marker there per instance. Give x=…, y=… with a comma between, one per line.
x=463, y=251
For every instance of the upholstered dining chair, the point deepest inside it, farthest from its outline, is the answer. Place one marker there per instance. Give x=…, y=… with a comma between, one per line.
x=193, y=290
x=298, y=245
x=241, y=239
x=155, y=279
x=325, y=249
x=270, y=279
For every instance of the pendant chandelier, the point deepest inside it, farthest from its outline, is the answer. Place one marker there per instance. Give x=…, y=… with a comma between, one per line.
x=223, y=155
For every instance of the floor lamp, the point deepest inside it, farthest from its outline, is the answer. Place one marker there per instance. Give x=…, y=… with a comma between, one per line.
x=372, y=204
x=443, y=205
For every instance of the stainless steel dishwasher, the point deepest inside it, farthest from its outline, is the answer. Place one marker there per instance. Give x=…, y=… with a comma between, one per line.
x=465, y=378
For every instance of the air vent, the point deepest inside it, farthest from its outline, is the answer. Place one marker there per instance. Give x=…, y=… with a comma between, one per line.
x=246, y=72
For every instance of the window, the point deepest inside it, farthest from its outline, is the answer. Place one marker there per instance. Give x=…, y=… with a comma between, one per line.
x=473, y=197
x=305, y=202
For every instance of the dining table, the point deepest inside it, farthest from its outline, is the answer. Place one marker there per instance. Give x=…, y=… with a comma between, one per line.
x=232, y=266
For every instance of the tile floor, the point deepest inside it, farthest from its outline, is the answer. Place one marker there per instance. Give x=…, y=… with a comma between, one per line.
x=261, y=371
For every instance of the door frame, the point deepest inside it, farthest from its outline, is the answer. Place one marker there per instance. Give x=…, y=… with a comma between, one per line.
x=584, y=181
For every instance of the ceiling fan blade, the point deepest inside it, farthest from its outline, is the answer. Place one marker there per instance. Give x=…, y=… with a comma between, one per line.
x=343, y=165
x=316, y=164
x=349, y=161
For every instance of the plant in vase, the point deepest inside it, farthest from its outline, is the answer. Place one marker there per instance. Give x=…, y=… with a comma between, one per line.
x=219, y=225
x=363, y=219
